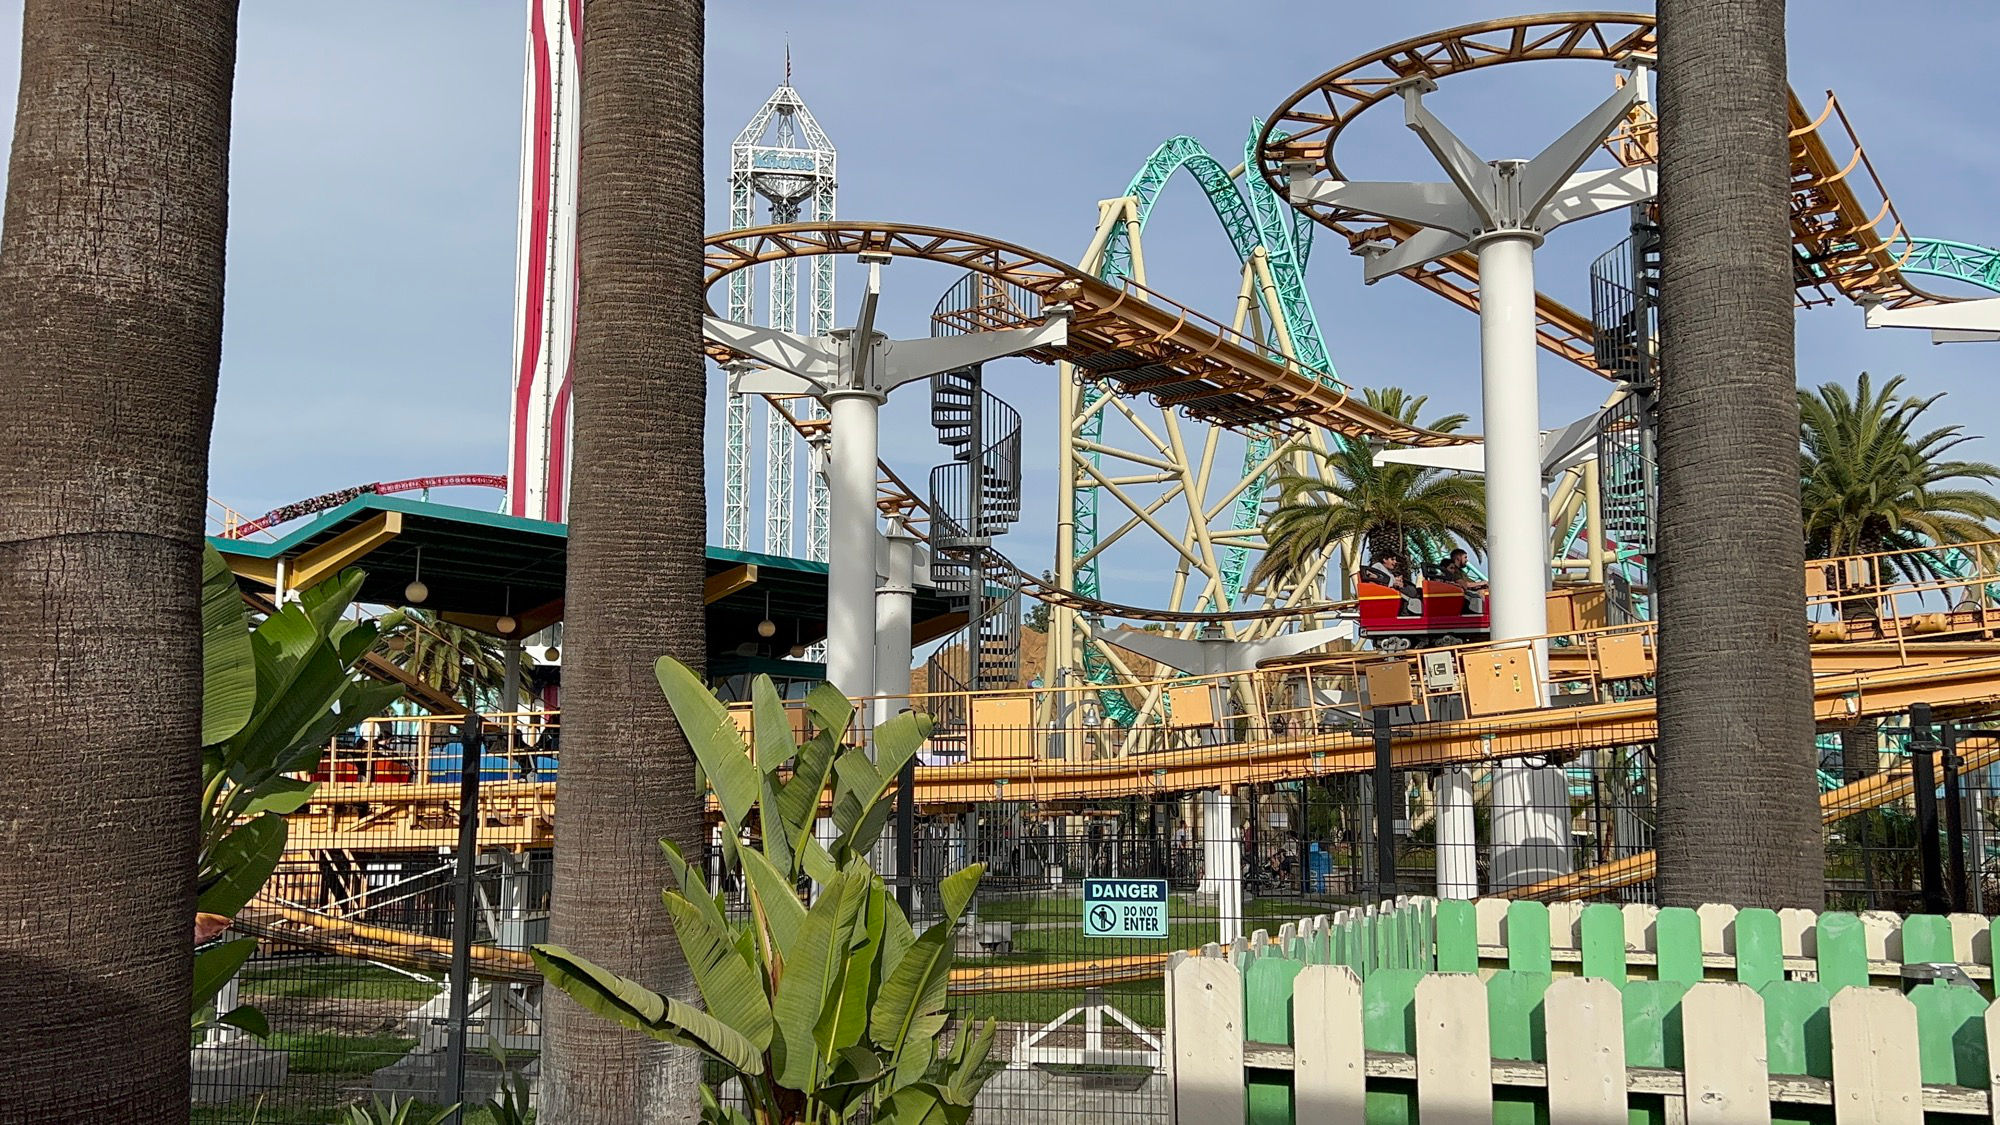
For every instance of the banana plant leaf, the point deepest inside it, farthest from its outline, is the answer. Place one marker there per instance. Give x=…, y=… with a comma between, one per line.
x=632, y=1005
x=228, y=669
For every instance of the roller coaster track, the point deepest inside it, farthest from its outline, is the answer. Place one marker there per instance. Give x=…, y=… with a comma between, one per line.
x=1834, y=804
x=1841, y=240
x=1261, y=223
x=1850, y=681
x=327, y=501
x=292, y=925
x=1129, y=336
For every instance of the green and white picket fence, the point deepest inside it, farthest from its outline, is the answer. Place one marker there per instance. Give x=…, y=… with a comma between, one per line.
x=1459, y=1012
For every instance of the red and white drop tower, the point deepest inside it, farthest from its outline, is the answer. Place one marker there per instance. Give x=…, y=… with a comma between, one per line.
x=545, y=274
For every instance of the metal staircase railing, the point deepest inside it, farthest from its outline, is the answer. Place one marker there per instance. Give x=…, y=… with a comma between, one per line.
x=974, y=497
x=1624, y=308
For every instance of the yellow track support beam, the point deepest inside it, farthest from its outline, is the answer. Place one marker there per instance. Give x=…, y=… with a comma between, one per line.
x=720, y=586
x=342, y=551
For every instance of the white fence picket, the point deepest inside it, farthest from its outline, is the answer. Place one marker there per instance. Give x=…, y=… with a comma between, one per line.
x=1491, y=915
x=1971, y=939
x=1718, y=927
x=1564, y=931
x=1329, y=1069
x=1208, y=1051
x=1798, y=934
x=1586, y=1048
x=1639, y=919
x=1727, y=1062
x=1877, y=1079
x=1724, y=1077
x=1454, y=1052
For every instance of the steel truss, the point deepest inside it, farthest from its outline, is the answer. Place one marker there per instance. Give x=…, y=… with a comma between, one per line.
x=783, y=158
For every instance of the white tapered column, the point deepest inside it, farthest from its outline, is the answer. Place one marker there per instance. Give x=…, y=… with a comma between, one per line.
x=1457, y=840
x=1531, y=821
x=893, y=601
x=1222, y=862
x=850, y=580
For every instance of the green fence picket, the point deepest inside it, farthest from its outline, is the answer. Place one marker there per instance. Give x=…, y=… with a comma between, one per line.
x=1760, y=953
x=1528, y=937
x=1797, y=1040
x=1457, y=937
x=1677, y=938
x=1603, y=941
x=1516, y=1027
x=1267, y=1018
x=1951, y=1032
x=1843, y=951
x=1389, y=1023
x=1652, y=1037
x=1927, y=937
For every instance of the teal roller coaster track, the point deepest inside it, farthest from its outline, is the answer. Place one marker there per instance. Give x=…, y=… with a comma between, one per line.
x=1260, y=222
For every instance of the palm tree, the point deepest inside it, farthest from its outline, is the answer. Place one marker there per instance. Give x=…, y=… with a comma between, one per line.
x=1869, y=481
x=636, y=562
x=465, y=664
x=111, y=269
x=1382, y=505
x=1867, y=484
x=1738, y=804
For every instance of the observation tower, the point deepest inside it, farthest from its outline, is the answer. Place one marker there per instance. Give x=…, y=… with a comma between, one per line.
x=782, y=164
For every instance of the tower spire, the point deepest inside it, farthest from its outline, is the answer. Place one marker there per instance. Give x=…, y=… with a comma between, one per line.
x=788, y=60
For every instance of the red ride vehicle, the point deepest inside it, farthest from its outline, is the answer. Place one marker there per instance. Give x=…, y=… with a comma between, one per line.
x=1397, y=623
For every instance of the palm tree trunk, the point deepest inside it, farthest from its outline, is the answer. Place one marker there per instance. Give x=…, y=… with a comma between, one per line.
x=636, y=541
x=1738, y=813
x=1385, y=539
x=111, y=321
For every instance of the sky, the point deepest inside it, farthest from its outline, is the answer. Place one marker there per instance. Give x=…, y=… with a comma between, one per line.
x=375, y=177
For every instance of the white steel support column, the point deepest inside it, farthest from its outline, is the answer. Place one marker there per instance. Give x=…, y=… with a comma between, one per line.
x=1501, y=209
x=1457, y=849
x=851, y=532
x=1517, y=544
x=853, y=371
x=894, y=601
x=1222, y=862
x=1525, y=825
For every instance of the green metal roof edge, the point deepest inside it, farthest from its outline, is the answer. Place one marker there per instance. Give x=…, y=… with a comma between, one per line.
x=369, y=501
x=759, y=558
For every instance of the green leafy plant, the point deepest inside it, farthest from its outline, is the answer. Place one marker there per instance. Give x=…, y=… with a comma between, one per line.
x=820, y=1005
x=465, y=664
x=395, y=1111
x=509, y=1105
x=271, y=698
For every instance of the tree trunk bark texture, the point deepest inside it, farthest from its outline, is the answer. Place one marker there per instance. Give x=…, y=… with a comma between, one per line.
x=637, y=531
x=111, y=268
x=1739, y=820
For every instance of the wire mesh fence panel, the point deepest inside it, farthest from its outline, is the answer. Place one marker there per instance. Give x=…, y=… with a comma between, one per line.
x=353, y=968
x=1117, y=824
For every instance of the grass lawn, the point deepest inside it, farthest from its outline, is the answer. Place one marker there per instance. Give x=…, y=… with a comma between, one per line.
x=340, y=981
x=1191, y=924
x=1143, y=1001
x=325, y=1052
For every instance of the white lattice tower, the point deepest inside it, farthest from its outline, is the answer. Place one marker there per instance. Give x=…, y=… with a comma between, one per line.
x=783, y=159
x=545, y=266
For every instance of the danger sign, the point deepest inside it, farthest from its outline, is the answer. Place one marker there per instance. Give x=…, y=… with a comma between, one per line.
x=1127, y=908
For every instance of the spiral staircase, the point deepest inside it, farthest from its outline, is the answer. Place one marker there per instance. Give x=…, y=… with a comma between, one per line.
x=974, y=497
x=1624, y=308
